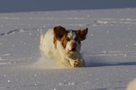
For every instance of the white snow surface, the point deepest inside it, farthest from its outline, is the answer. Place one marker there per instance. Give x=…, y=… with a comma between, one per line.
x=109, y=50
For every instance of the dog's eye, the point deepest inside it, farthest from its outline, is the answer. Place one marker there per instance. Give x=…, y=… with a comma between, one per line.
x=60, y=36
x=68, y=39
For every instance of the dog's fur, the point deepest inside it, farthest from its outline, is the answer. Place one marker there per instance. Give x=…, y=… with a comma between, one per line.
x=132, y=85
x=63, y=45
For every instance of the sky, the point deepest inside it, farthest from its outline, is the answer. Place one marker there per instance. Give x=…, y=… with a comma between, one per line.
x=53, y=5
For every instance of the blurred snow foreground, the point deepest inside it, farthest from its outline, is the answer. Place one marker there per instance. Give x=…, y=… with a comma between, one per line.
x=132, y=85
x=109, y=50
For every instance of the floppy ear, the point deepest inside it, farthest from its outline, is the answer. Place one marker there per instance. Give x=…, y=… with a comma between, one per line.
x=59, y=32
x=82, y=34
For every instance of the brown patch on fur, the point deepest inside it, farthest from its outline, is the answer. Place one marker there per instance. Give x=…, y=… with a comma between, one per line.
x=60, y=34
x=65, y=40
x=81, y=34
x=78, y=39
x=55, y=42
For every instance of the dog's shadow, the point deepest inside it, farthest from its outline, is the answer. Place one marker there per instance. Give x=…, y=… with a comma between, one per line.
x=96, y=61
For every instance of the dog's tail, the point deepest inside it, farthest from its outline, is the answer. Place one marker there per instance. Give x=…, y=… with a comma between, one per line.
x=41, y=32
x=41, y=40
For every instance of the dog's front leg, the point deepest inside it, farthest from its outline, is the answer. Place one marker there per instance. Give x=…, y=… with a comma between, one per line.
x=74, y=63
x=77, y=63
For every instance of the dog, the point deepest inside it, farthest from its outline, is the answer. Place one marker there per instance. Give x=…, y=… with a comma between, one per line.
x=63, y=45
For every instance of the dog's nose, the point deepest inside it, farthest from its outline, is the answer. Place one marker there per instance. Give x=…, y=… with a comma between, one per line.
x=73, y=44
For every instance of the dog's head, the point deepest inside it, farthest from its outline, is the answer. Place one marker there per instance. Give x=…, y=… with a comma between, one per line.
x=71, y=39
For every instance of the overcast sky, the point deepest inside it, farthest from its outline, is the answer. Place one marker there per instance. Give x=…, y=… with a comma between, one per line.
x=52, y=5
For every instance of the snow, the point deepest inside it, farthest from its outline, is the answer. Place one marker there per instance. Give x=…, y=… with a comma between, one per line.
x=109, y=50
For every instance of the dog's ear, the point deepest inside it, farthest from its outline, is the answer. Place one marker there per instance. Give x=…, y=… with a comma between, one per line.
x=59, y=32
x=82, y=34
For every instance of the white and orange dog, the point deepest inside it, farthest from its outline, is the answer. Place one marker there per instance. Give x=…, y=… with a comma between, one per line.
x=63, y=45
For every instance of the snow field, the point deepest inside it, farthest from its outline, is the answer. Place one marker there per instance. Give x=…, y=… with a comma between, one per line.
x=109, y=50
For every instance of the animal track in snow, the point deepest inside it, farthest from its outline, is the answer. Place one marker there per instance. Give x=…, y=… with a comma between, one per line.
x=116, y=21
x=12, y=32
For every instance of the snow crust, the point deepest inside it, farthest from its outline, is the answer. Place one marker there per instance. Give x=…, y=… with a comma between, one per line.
x=109, y=50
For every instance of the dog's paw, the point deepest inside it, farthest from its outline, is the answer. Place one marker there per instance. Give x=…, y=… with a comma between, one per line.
x=79, y=63
x=76, y=63
x=82, y=63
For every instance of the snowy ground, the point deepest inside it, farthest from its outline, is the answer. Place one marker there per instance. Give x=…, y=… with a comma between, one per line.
x=109, y=50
